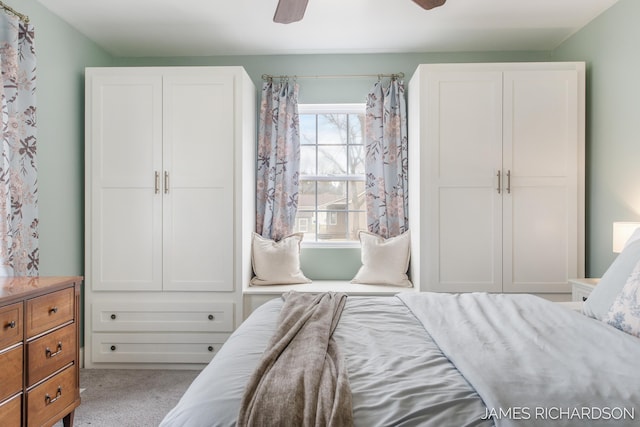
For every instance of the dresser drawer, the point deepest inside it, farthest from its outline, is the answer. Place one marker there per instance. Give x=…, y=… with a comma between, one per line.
x=121, y=316
x=579, y=294
x=50, y=352
x=11, y=412
x=51, y=397
x=156, y=348
x=10, y=373
x=10, y=325
x=49, y=311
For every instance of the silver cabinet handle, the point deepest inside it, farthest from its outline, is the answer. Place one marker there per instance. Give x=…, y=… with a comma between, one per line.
x=157, y=182
x=509, y=181
x=166, y=182
x=499, y=175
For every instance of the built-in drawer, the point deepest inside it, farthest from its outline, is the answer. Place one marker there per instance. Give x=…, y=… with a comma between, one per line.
x=580, y=294
x=156, y=348
x=10, y=373
x=120, y=316
x=50, y=352
x=48, y=399
x=11, y=411
x=10, y=325
x=48, y=311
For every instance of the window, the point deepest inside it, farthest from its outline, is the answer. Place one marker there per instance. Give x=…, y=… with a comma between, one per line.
x=331, y=198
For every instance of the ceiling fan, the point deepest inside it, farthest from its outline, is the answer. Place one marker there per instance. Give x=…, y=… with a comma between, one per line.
x=289, y=11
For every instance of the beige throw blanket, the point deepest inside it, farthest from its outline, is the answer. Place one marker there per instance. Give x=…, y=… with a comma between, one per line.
x=301, y=379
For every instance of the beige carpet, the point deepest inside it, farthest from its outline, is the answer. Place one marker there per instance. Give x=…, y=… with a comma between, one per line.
x=128, y=398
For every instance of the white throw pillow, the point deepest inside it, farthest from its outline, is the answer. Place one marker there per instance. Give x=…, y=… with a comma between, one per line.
x=384, y=261
x=612, y=282
x=277, y=263
x=624, y=313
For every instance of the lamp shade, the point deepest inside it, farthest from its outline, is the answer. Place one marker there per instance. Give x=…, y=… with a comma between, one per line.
x=622, y=231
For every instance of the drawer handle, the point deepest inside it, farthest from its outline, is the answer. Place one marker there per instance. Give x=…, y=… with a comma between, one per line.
x=48, y=400
x=113, y=348
x=113, y=317
x=584, y=299
x=11, y=324
x=48, y=354
x=210, y=348
x=212, y=317
x=53, y=310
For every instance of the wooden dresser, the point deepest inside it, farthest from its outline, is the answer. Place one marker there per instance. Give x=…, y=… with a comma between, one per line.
x=39, y=350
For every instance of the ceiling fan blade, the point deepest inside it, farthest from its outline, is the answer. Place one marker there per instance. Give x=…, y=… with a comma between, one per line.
x=429, y=4
x=289, y=11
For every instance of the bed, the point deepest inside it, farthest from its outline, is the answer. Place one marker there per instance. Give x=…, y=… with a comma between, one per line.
x=432, y=359
x=428, y=359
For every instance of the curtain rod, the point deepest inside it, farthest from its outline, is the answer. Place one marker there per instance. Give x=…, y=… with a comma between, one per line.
x=335, y=76
x=23, y=18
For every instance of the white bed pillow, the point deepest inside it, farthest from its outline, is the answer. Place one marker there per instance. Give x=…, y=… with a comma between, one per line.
x=277, y=263
x=624, y=313
x=384, y=261
x=613, y=280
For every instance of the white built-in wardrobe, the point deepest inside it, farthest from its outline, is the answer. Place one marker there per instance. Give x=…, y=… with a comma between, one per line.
x=170, y=155
x=496, y=176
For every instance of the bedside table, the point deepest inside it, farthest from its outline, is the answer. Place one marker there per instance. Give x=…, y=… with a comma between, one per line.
x=581, y=288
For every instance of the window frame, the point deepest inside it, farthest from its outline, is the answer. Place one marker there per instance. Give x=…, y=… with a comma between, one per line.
x=332, y=108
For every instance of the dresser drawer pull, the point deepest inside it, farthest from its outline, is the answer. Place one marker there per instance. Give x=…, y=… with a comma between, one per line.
x=113, y=317
x=49, y=354
x=53, y=310
x=48, y=400
x=210, y=348
x=584, y=299
x=113, y=348
x=11, y=325
x=212, y=317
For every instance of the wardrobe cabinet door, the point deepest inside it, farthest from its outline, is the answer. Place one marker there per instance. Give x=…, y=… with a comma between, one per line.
x=463, y=201
x=124, y=158
x=198, y=232
x=541, y=134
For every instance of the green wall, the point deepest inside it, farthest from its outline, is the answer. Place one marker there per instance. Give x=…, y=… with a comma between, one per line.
x=613, y=192
x=609, y=46
x=334, y=90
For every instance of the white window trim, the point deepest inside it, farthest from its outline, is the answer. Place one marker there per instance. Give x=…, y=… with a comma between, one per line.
x=331, y=108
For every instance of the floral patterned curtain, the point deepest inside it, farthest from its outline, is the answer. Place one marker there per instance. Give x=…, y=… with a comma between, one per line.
x=386, y=162
x=278, y=160
x=18, y=170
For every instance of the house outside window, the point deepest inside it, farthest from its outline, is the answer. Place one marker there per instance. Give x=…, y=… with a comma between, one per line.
x=332, y=179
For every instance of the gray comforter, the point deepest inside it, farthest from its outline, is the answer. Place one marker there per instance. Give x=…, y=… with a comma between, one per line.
x=534, y=363
x=432, y=359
